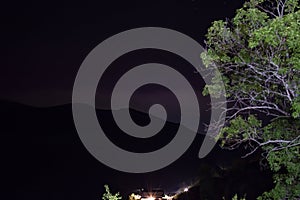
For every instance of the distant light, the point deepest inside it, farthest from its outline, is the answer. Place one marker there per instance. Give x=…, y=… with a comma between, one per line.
x=167, y=197
x=148, y=198
x=186, y=189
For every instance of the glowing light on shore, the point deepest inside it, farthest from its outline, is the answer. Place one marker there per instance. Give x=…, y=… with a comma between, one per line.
x=150, y=198
x=167, y=197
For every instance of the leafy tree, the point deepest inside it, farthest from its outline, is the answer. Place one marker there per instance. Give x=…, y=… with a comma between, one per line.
x=236, y=198
x=258, y=55
x=109, y=196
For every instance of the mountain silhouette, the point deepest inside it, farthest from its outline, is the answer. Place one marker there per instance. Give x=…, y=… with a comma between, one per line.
x=43, y=157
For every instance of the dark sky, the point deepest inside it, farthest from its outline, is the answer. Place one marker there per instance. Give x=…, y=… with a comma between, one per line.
x=44, y=43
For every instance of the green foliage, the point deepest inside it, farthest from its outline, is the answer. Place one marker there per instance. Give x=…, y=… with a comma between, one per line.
x=285, y=161
x=109, y=196
x=240, y=128
x=286, y=165
x=236, y=198
x=296, y=108
x=258, y=55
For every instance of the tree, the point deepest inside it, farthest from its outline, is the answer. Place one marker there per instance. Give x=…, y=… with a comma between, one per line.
x=258, y=55
x=109, y=196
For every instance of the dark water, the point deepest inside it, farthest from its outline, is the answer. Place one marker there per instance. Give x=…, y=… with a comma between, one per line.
x=43, y=158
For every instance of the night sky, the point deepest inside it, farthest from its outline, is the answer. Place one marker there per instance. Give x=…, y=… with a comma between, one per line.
x=42, y=47
x=43, y=44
